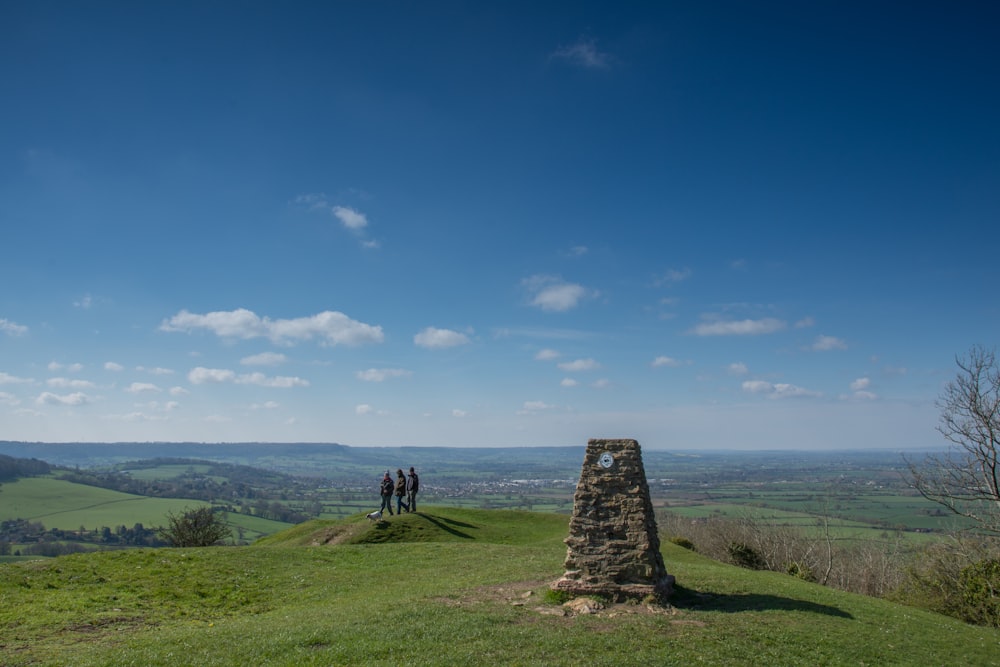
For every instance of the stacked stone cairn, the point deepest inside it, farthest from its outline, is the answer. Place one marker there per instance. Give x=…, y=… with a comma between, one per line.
x=613, y=544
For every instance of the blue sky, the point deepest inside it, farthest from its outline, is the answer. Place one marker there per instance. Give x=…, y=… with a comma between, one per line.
x=701, y=225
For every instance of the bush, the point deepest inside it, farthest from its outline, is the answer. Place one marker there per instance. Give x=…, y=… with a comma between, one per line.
x=980, y=586
x=683, y=542
x=201, y=527
x=800, y=572
x=744, y=556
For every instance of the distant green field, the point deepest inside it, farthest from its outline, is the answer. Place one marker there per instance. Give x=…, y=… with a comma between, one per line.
x=67, y=506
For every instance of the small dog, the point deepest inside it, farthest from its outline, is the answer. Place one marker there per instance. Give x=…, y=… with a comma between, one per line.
x=375, y=517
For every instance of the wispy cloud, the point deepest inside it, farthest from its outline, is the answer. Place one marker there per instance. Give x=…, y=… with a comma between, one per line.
x=584, y=53
x=434, y=338
x=546, y=355
x=12, y=328
x=202, y=375
x=579, y=365
x=382, y=374
x=669, y=362
x=112, y=366
x=264, y=359
x=330, y=327
x=739, y=327
x=74, y=399
x=553, y=294
x=7, y=378
x=350, y=218
x=142, y=387
x=67, y=383
x=826, y=343
x=671, y=277
x=778, y=390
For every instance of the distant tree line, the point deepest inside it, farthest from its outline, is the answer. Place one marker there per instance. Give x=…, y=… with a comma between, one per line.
x=12, y=469
x=33, y=539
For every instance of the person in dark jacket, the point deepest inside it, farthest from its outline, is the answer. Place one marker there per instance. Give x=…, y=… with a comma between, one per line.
x=385, y=488
x=401, y=492
x=412, y=486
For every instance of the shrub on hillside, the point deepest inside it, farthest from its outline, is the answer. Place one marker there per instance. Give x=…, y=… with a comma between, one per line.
x=980, y=586
x=200, y=527
x=745, y=556
x=683, y=542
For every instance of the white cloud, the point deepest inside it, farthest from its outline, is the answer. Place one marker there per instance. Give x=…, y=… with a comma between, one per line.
x=672, y=276
x=142, y=387
x=266, y=405
x=804, y=323
x=579, y=365
x=552, y=294
x=331, y=327
x=861, y=384
x=178, y=391
x=669, y=362
x=264, y=359
x=577, y=251
x=583, y=53
x=531, y=407
x=739, y=327
x=76, y=398
x=12, y=328
x=9, y=399
x=66, y=383
x=279, y=382
x=72, y=368
x=202, y=375
x=311, y=201
x=86, y=302
x=155, y=371
x=112, y=366
x=458, y=413
x=779, y=390
x=363, y=409
x=737, y=368
x=825, y=343
x=546, y=355
x=6, y=378
x=382, y=374
x=135, y=417
x=603, y=383
x=434, y=338
x=568, y=382
x=350, y=218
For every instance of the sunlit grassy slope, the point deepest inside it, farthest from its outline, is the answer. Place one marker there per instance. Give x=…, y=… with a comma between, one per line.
x=442, y=587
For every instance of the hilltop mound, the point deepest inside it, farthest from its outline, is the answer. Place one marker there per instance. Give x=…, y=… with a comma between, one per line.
x=432, y=524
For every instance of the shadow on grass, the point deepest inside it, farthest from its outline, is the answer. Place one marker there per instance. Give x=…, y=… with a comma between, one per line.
x=447, y=525
x=684, y=598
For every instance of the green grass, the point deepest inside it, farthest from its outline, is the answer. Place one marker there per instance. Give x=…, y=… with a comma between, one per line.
x=446, y=586
x=64, y=505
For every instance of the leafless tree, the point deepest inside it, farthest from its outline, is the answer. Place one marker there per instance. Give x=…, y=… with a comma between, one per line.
x=966, y=479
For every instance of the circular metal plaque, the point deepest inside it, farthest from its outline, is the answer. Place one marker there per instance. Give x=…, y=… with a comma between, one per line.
x=606, y=460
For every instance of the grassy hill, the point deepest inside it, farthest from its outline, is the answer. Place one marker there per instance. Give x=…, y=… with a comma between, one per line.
x=443, y=587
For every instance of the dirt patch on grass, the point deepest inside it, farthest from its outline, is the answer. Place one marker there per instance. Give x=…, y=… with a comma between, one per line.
x=532, y=596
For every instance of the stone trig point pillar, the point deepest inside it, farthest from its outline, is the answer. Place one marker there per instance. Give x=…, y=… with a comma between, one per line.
x=613, y=545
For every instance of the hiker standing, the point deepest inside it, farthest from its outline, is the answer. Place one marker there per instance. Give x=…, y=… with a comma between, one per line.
x=385, y=488
x=400, y=492
x=412, y=485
